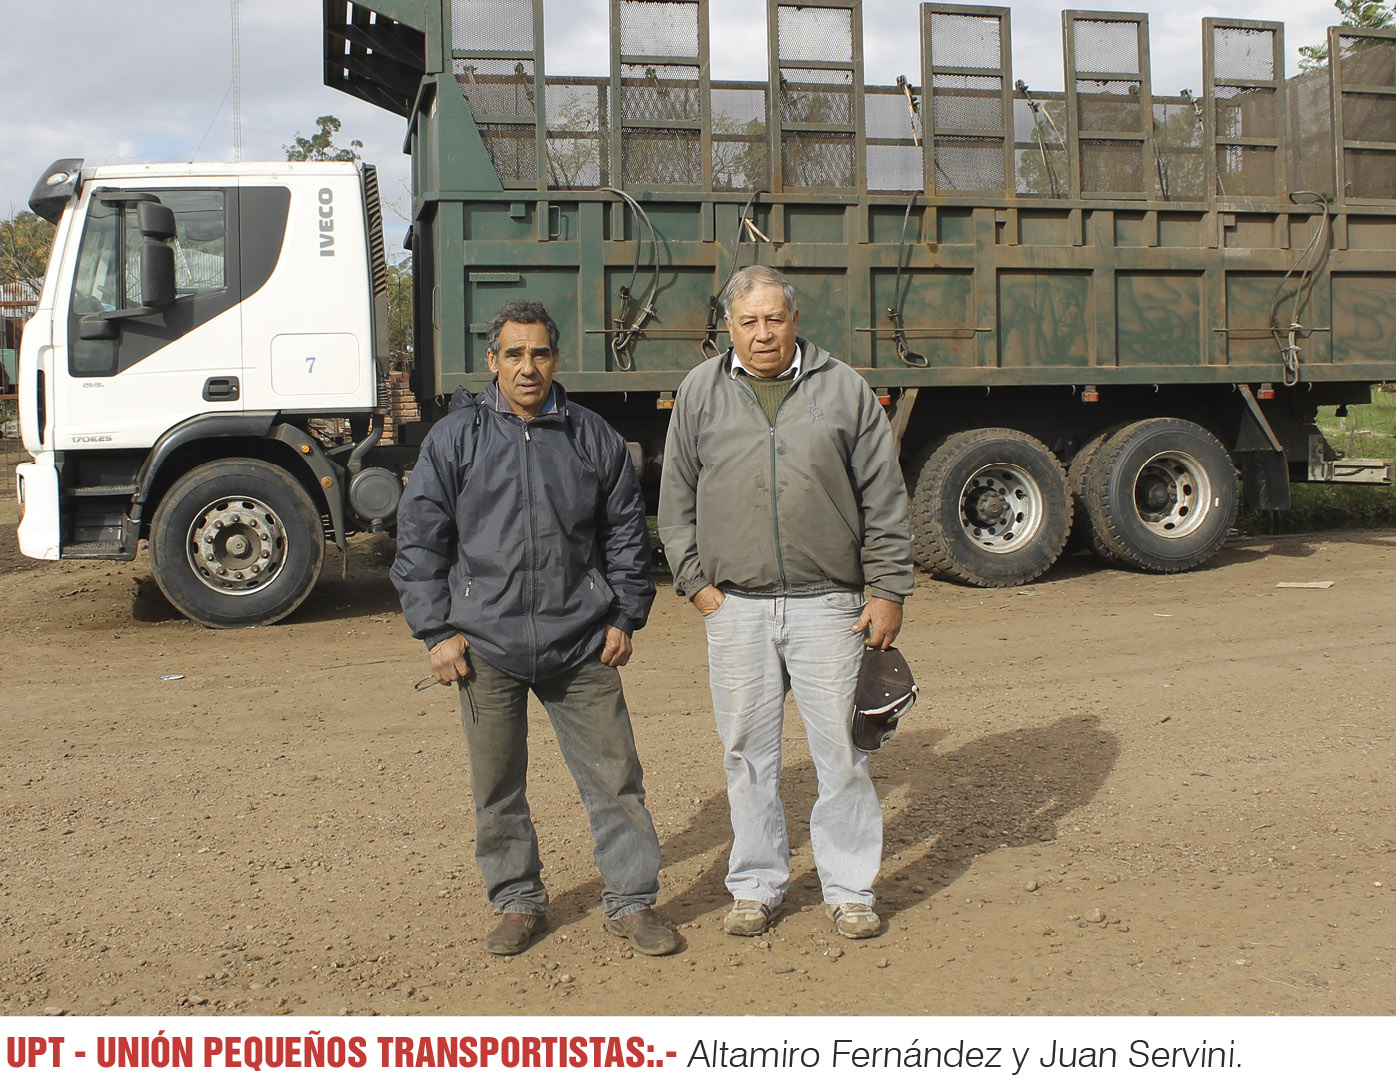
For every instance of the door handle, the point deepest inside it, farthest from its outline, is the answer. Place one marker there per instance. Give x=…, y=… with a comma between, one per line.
x=221, y=388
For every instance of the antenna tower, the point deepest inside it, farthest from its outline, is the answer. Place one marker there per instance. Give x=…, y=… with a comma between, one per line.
x=237, y=84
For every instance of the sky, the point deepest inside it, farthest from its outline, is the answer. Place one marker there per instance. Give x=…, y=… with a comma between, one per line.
x=151, y=80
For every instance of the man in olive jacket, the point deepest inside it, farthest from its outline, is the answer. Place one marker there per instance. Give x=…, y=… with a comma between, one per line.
x=523, y=564
x=781, y=503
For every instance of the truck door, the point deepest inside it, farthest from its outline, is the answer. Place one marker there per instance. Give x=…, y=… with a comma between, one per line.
x=142, y=374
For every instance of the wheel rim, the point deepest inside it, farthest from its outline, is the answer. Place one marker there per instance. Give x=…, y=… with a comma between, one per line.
x=236, y=545
x=1001, y=508
x=1173, y=495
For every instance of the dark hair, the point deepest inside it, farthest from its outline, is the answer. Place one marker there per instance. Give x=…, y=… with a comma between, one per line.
x=751, y=277
x=522, y=311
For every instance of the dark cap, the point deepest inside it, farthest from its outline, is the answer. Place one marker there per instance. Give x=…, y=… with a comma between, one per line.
x=885, y=691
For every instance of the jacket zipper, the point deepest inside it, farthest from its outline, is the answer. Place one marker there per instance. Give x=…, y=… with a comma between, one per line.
x=531, y=588
x=775, y=514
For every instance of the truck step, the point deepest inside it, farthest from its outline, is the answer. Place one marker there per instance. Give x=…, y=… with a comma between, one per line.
x=100, y=489
x=95, y=549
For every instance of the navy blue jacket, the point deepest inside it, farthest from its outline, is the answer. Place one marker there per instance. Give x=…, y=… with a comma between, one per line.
x=527, y=537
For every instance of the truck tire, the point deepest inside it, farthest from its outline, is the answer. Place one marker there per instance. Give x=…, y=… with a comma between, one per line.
x=1083, y=536
x=1161, y=495
x=989, y=508
x=236, y=543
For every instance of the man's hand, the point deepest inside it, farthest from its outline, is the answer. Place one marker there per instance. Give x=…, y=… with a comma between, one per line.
x=616, y=650
x=449, y=661
x=882, y=619
x=708, y=599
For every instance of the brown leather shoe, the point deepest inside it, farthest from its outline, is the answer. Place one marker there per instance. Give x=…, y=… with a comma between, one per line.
x=514, y=933
x=646, y=933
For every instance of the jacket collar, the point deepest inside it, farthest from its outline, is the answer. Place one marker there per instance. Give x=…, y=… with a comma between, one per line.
x=489, y=397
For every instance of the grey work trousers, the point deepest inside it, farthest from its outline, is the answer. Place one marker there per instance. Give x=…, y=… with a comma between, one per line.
x=588, y=713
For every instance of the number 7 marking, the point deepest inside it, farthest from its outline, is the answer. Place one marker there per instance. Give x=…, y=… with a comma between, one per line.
x=309, y=364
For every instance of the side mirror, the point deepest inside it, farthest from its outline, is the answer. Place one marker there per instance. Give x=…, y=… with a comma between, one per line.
x=157, y=272
x=155, y=220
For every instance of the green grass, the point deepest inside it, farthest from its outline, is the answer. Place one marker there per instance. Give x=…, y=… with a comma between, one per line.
x=1368, y=430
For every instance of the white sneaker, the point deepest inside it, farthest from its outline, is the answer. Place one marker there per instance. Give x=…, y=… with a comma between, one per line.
x=853, y=919
x=748, y=917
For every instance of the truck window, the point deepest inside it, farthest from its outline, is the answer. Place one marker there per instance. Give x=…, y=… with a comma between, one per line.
x=109, y=266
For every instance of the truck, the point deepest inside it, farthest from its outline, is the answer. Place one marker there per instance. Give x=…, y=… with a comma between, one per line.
x=1097, y=316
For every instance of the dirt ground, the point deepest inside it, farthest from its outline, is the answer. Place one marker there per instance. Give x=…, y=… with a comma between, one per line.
x=1120, y=794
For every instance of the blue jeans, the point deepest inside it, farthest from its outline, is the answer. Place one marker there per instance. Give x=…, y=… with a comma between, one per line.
x=587, y=709
x=758, y=649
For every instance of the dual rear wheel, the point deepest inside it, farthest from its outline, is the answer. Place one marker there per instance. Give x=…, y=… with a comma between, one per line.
x=994, y=507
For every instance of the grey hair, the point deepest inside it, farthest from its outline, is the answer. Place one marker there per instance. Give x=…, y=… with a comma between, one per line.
x=522, y=311
x=752, y=277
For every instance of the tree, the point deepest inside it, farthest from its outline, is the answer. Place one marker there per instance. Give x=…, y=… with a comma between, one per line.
x=1370, y=14
x=400, y=313
x=25, y=241
x=320, y=147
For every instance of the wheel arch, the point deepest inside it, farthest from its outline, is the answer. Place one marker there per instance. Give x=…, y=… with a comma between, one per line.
x=254, y=436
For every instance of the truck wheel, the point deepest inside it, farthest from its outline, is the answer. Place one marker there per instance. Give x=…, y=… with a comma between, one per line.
x=990, y=508
x=236, y=543
x=1161, y=495
x=1083, y=537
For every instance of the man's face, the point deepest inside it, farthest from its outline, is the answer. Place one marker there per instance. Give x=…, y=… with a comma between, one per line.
x=525, y=365
x=763, y=330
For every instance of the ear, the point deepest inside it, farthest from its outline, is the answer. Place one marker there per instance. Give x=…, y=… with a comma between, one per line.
x=494, y=366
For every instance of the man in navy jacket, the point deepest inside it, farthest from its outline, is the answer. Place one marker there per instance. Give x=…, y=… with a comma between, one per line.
x=523, y=564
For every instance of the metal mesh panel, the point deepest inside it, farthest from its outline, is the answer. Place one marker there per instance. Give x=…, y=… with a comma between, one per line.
x=497, y=88
x=894, y=168
x=575, y=162
x=1182, y=162
x=661, y=156
x=814, y=33
x=1369, y=117
x=666, y=92
x=1367, y=61
x=576, y=148
x=1246, y=171
x=1247, y=112
x=893, y=153
x=965, y=41
x=739, y=138
x=1039, y=156
x=659, y=29
x=1111, y=166
x=1108, y=106
x=817, y=160
x=887, y=117
x=503, y=26
x=738, y=108
x=969, y=163
x=513, y=151
x=967, y=101
x=1370, y=174
x=576, y=105
x=816, y=96
x=1310, y=132
x=1242, y=53
x=1106, y=46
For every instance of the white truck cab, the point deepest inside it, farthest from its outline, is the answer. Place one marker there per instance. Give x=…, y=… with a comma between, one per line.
x=193, y=318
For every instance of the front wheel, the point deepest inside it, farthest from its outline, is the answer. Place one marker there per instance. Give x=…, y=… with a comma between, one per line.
x=1161, y=495
x=990, y=508
x=236, y=543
